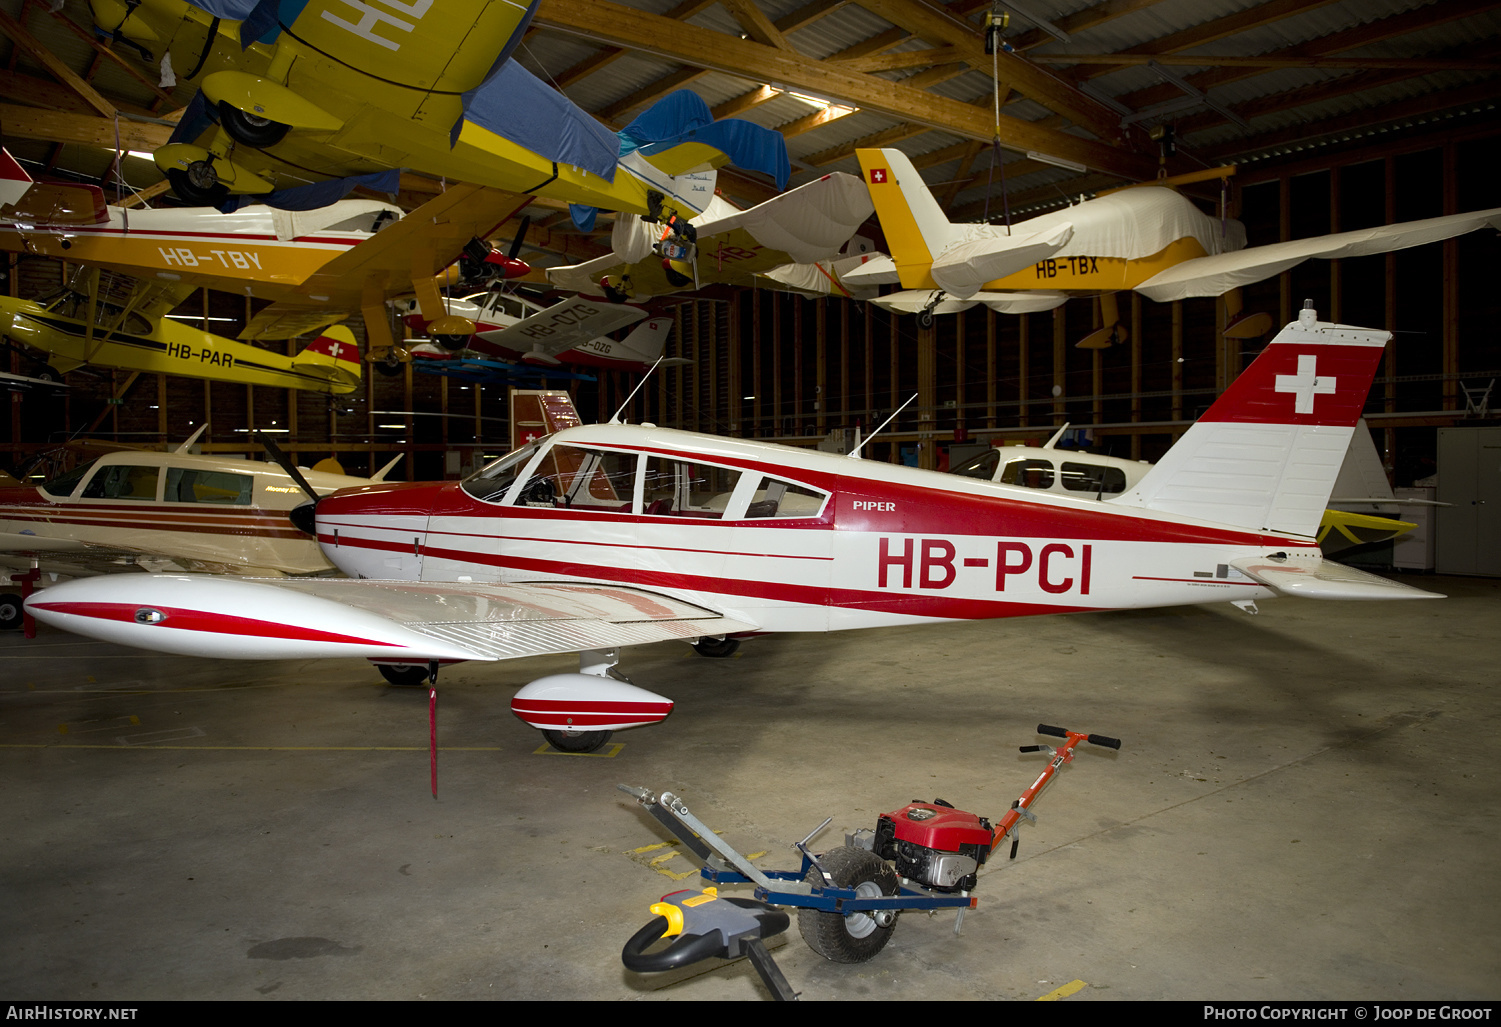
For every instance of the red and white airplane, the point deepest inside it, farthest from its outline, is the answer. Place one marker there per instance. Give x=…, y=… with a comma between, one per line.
x=612, y=535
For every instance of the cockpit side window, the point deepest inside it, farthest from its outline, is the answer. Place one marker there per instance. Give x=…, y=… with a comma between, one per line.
x=1093, y=478
x=1031, y=474
x=575, y=478
x=981, y=466
x=677, y=488
x=122, y=481
x=218, y=487
x=776, y=498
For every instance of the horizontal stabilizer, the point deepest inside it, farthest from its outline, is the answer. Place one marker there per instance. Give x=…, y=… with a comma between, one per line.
x=1313, y=577
x=333, y=354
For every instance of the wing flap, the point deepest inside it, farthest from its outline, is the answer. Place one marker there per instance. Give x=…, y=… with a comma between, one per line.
x=1313, y=577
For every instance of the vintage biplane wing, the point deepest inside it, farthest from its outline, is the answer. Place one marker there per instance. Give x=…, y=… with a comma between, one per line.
x=810, y=223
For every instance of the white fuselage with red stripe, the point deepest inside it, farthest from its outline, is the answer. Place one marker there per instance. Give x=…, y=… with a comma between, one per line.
x=887, y=545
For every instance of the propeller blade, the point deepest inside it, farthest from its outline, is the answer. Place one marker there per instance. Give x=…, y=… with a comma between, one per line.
x=281, y=460
x=515, y=249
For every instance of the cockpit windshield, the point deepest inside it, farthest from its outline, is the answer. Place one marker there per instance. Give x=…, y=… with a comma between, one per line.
x=64, y=485
x=491, y=482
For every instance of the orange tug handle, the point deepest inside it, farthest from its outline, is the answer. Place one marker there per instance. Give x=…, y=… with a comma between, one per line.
x=1063, y=754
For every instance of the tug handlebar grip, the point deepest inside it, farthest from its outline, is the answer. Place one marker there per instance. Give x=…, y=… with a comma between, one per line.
x=1058, y=732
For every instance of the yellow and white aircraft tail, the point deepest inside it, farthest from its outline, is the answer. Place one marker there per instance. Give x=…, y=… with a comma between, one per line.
x=333, y=355
x=931, y=252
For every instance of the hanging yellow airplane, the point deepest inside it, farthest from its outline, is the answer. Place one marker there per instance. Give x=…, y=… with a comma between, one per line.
x=302, y=91
x=1150, y=239
x=317, y=266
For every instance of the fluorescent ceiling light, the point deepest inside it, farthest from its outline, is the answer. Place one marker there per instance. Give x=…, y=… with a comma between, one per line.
x=1057, y=162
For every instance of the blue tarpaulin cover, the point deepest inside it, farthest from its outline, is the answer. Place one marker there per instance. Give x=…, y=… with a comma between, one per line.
x=317, y=194
x=515, y=104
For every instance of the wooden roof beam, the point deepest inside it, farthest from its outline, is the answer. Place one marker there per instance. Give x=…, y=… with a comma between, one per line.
x=56, y=68
x=715, y=51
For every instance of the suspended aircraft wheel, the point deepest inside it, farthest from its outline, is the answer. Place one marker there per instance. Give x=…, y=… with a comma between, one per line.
x=10, y=611
x=577, y=741
x=452, y=343
x=858, y=937
x=716, y=648
x=388, y=368
x=47, y=373
x=403, y=675
x=198, y=185
x=925, y=319
x=249, y=129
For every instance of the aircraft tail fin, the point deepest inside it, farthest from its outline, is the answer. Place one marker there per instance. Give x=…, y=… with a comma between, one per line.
x=14, y=181
x=333, y=355
x=1266, y=454
x=916, y=229
x=646, y=341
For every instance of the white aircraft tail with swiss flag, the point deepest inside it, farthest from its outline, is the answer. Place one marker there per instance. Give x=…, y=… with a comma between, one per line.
x=1266, y=455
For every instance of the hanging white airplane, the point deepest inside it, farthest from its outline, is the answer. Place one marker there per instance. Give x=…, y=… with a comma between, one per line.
x=138, y=510
x=614, y=535
x=510, y=326
x=1148, y=238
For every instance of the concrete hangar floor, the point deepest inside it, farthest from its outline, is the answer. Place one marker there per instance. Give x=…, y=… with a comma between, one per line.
x=1305, y=807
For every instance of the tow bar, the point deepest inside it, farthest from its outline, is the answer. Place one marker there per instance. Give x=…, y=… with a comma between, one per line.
x=924, y=856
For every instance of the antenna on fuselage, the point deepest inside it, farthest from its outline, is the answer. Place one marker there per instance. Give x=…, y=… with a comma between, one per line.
x=644, y=378
x=192, y=439
x=855, y=453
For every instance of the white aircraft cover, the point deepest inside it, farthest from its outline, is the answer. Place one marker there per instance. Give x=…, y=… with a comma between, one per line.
x=1022, y=302
x=810, y=223
x=823, y=278
x=1131, y=224
x=913, y=301
x=878, y=269
x=1218, y=274
x=961, y=270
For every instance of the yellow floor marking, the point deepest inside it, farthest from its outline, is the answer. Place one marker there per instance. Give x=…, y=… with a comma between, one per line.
x=1063, y=992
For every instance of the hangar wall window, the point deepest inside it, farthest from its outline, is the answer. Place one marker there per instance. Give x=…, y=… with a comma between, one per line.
x=122, y=481
x=218, y=487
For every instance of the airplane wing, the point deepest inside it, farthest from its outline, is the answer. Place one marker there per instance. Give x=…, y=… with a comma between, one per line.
x=808, y=224
x=328, y=617
x=1218, y=274
x=389, y=263
x=563, y=326
x=1313, y=577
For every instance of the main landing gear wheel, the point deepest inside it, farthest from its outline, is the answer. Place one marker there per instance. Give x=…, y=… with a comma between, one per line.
x=10, y=611
x=925, y=319
x=388, y=368
x=858, y=937
x=577, y=741
x=716, y=648
x=403, y=675
x=198, y=185
x=452, y=343
x=249, y=129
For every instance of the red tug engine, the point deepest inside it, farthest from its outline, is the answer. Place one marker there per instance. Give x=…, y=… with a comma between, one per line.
x=935, y=844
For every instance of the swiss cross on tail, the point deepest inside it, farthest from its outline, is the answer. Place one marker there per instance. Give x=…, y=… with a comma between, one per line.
x=1312, y=373
x=877, y=176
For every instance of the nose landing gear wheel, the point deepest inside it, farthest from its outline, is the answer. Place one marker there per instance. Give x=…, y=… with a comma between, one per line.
x=858, y=937
x=577, y=741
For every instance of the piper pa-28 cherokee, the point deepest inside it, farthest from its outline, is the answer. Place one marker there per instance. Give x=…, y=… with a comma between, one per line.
x=614, y=535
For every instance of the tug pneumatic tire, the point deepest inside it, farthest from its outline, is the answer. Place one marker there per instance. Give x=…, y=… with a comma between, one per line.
x=403, y=675
x=858, y=937
x=577, y=741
